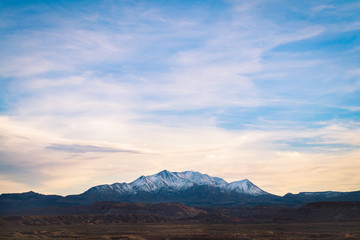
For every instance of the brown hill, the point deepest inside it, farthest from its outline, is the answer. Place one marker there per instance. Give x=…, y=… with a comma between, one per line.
x=170, y=210
x=109, y=212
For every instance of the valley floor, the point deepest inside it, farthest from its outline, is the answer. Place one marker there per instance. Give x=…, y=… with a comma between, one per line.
x=173, y=231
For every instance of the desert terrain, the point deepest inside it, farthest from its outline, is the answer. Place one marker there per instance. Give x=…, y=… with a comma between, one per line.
x=172, y=231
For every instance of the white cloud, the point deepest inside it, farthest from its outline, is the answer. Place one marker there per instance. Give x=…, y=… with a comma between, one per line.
x=232, y=155
x=150, y=82
x=25, y=66
x=322, y=7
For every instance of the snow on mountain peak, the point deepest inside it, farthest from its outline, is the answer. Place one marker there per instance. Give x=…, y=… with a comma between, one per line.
x=175, y=181
x=244, y=186
x=179, y=181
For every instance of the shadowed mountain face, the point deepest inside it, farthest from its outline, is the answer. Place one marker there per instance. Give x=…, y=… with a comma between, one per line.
x=190, y=188
x=194, y=195
x=186, y=187
x=307, y=197
x=175, y=182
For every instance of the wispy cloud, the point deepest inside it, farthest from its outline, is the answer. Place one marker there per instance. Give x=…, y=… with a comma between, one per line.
x=85, y=148
x=236, y=90
x=322, y=7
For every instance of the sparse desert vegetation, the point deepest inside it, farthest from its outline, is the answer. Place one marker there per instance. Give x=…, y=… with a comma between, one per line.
x=327, y=231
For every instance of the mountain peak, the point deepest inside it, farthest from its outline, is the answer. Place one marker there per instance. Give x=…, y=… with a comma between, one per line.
x=174, y=181
x=177, y=182
x=245, y=186
x=164, y=172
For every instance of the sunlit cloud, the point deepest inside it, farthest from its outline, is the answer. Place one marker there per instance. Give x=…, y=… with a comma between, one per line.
x=84, y=148
x=252, y=89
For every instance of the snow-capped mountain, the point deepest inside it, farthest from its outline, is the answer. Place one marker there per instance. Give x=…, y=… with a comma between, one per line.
x=244, y=186
x=190, y=188
x=177, y=182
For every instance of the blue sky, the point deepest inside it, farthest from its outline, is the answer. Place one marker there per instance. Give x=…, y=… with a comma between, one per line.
x=96, y=92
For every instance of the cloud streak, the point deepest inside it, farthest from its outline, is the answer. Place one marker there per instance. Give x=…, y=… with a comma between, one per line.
x=75, y=148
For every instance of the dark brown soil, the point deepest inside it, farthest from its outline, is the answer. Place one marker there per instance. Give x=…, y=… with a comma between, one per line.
x=325, y=231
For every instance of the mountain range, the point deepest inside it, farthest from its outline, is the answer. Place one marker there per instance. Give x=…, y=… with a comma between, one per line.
x=176, y=182
x=189, y=187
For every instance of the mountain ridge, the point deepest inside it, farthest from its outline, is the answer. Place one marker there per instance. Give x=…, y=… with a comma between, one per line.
x=179, y=181
x=189, y=188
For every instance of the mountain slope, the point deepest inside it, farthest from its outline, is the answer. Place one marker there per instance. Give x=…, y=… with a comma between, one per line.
x=246, y=187
x=175, y=182
x=307, y=197
x=187, y=187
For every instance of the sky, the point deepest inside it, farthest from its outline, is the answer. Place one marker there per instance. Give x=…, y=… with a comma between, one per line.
x=98, y=92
